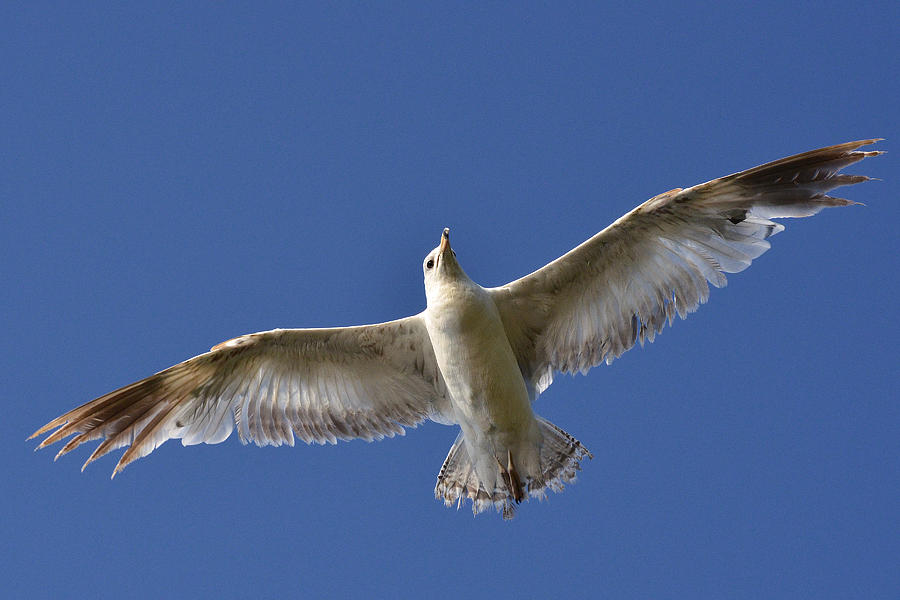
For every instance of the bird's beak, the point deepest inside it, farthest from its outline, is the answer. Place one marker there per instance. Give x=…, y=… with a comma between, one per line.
x=445, y=241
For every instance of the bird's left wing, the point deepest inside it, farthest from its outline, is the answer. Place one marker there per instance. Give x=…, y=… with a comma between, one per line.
x=622, y=285
x=316, y=384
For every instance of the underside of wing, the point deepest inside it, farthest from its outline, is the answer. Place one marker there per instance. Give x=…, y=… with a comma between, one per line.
x=319, y=385
x=624, y=284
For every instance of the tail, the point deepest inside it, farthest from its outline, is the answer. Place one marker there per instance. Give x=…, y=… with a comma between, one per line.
x=560, y=461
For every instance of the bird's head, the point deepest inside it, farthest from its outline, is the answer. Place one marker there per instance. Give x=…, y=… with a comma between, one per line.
x=440, y=266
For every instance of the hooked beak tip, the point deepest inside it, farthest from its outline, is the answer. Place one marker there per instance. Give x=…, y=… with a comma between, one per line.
x=445, y=239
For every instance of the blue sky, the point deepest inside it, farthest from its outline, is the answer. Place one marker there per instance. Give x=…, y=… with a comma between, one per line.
x=178, y=175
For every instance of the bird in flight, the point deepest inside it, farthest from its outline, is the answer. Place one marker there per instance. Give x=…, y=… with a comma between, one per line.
x=475, y=357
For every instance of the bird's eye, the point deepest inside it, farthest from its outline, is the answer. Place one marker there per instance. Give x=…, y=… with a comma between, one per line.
x=430, y=263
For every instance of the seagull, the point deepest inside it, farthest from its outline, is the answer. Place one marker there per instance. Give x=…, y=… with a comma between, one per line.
x=475, y=357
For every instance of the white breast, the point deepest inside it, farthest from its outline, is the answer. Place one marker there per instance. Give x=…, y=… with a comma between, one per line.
x=478, y=365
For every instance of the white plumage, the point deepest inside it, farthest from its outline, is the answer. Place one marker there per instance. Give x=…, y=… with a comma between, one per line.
x=476, y=357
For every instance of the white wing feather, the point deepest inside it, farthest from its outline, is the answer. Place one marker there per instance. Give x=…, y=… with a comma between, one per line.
x=622, y=285
x=319, y=385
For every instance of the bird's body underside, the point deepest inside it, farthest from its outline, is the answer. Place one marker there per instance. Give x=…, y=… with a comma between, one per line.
x=497, y=459
x=477, y=357
x=485, y=387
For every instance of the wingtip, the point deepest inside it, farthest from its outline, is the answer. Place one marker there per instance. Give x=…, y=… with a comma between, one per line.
x=94, y=456
x=124, y=461
x=44, y=429
x=835, y=201
x=120, y=466
x=854, y=147
x=866, y=142
x=44, y=443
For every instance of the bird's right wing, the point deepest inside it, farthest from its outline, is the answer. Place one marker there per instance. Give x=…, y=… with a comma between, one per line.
x=622, y=285
x=316, y=384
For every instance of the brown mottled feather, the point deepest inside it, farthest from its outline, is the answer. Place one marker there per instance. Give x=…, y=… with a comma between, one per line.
x=322, y=384
x=624, y=284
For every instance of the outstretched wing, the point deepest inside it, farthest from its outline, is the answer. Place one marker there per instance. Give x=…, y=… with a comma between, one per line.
x=316, y=384
x=622, y=285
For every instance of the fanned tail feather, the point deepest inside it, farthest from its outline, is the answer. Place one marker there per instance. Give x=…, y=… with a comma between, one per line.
x=561, y=455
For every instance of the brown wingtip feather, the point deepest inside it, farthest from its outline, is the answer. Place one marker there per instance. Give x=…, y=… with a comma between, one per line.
x=101, y=450
x=61, y=420
x=69, y=446
x=127, y=416
x=53, y=438
x=127, y=458
x=136, y=449
x=855, y=144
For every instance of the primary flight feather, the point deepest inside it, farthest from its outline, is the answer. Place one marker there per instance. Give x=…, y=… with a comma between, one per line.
x=477, y=357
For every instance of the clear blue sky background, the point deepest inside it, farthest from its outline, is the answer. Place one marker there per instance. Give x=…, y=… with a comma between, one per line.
x=174, y=175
